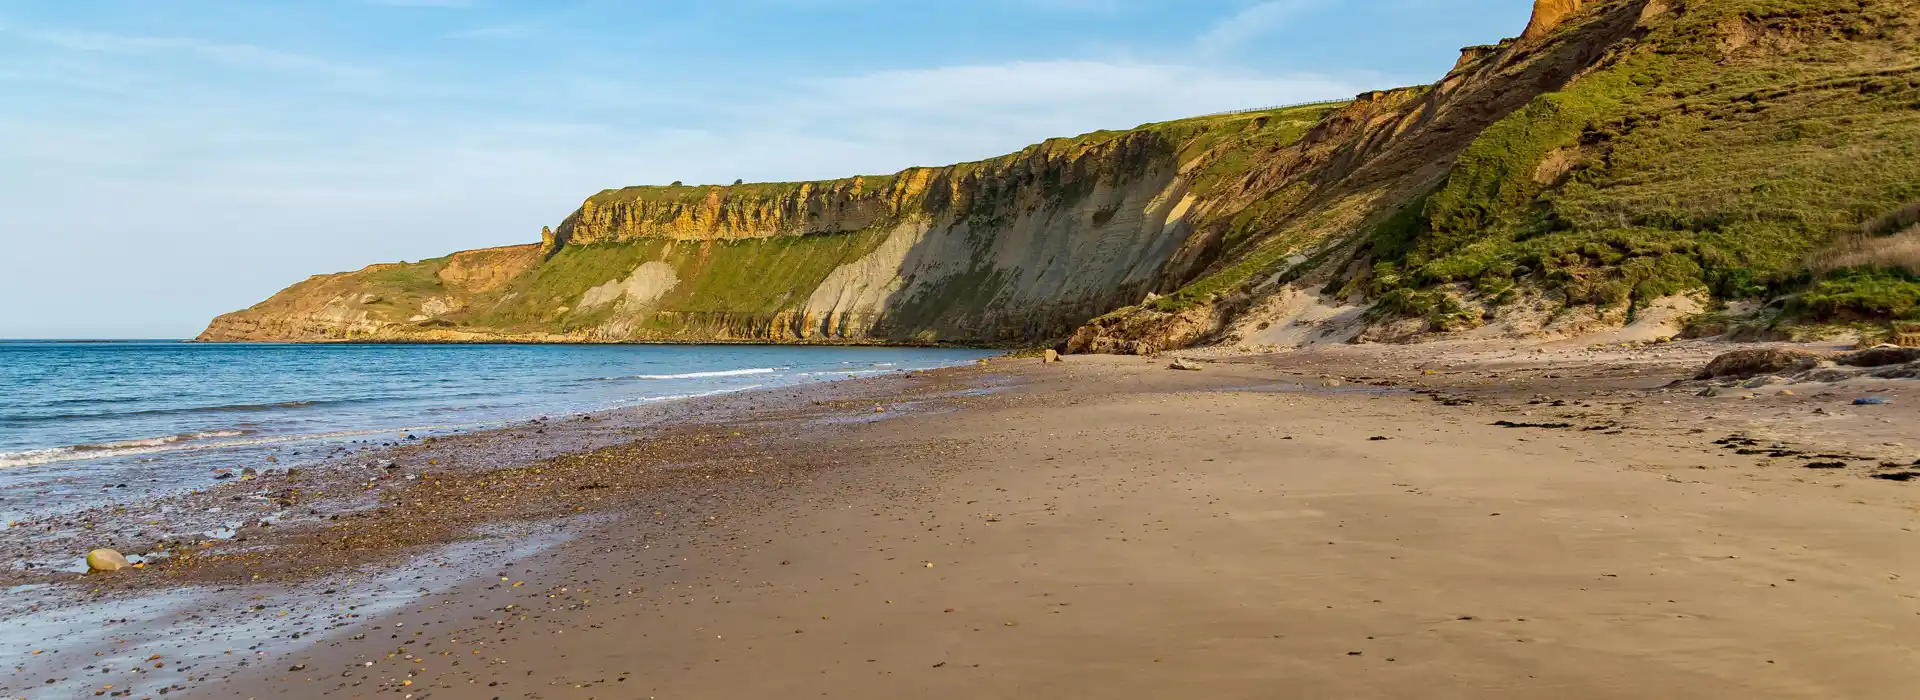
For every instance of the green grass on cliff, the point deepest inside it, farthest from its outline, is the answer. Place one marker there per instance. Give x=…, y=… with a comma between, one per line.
x=760, y=276
x=751, y=277
x=1861, y=293
x=398, y=290
x=532, y=301
x=1237, y=151
x=1687, y=163
x=696, y=194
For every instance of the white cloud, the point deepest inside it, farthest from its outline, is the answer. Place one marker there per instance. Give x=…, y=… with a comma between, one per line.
x=1065, y=87
x=1249, y=24
x=437, y=4
x=510, y=30
x=242, y=56
x=938, y=115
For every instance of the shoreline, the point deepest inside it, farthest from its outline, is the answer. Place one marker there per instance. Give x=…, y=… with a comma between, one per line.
x=179, y=433
x=991, y=504
x=324, y=486
x=563, y=340
x=715, y=342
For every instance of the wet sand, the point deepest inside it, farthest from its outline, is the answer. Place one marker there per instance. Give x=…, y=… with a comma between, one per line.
x=1351, y=522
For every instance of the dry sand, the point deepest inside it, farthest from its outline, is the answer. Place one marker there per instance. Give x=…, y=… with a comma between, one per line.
x=1341, y=523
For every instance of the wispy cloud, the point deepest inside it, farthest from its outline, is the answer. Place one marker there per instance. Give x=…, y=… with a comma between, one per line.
x=1078, y=5
x=1249, y=24
x=245, y=56
x=523, y=28
x=1091, y=90
x=509, y=30
x=437, y=4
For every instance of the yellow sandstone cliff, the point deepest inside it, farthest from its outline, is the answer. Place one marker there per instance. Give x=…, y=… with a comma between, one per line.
x=1548, y=14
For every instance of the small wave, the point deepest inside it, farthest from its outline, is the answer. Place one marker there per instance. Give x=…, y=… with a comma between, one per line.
x=29, y=458
x=177, y=443
x=50, y=455
x=698, y=375
x=848, y=372
x=703, y=394
x=230, y=408
x=158, y=441
x=244, y=407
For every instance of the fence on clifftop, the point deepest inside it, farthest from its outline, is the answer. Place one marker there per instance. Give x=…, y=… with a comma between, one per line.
x=1277, y=108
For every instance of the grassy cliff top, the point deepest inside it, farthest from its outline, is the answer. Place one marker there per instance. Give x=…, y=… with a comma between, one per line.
x=1193, y=134
x=1714, y=148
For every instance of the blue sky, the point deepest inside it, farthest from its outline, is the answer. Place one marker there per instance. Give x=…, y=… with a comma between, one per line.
x=164, y=162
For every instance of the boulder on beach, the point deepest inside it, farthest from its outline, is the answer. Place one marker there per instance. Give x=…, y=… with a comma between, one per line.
x=1050, y=356
x=107, y=560
x=1741, y=364
x=1183, y=364
x=1882, y=356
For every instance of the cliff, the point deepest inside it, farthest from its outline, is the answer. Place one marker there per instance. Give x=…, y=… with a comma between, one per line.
x=1624, y=161
x=1618, y=155
x=1006, y=250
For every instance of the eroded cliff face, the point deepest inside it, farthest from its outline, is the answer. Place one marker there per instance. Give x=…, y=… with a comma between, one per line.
x=1007, y=250
x=1622, y=157
x=1619, y=154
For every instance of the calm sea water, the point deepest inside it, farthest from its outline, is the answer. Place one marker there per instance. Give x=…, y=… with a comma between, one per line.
x=89, y=413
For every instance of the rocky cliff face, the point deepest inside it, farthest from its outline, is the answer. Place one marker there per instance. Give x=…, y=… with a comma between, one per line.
x=1548, y=14
x=1624, y=158
x=1001, y=251
x=1617, y=155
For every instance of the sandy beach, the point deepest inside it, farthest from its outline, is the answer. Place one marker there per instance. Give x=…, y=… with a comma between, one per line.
x=1364, y=522
x=462, y=349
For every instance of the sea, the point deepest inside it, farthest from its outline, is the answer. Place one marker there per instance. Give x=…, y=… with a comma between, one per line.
x=82, y=422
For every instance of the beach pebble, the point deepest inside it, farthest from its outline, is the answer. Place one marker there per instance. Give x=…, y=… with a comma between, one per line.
x=107, y=560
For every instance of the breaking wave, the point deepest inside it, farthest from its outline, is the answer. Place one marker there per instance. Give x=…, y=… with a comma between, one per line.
x=700, y=375
x=207, y=440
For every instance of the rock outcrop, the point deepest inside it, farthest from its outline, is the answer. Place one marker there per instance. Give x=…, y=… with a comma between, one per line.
x=1742, y=364
x=1548, y=14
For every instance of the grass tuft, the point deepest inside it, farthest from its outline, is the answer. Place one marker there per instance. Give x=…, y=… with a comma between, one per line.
x=1900, y=251
x=1860, y=293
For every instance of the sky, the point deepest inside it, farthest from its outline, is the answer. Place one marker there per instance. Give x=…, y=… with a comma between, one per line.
x=165, y=162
